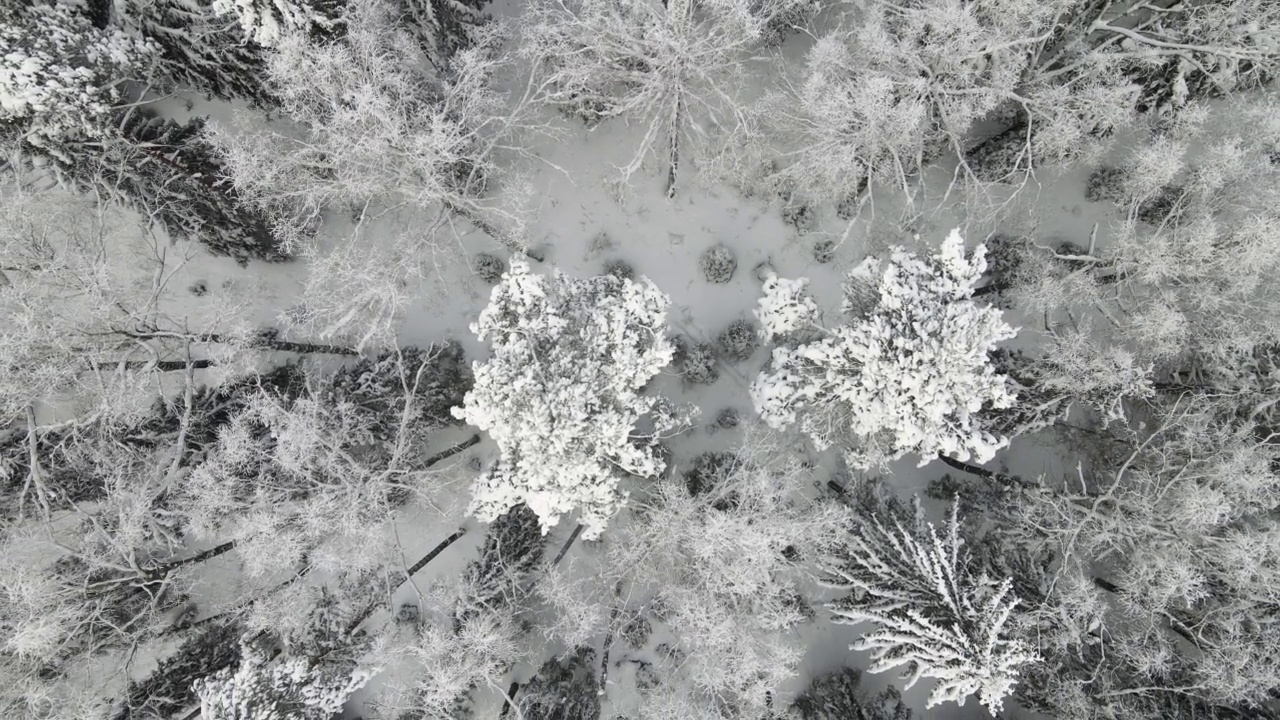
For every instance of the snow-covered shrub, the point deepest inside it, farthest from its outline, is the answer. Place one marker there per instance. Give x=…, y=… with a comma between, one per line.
x=290, y=688
x=561, y=393
x=488, y=267
x=933, y=615
x=824, y=251
x=708, y=470
x=799, y=216
x=619, y=268
x=700, y=365
x=909, y=374
x=729, y=418
x=739, y=340
x=718, y=264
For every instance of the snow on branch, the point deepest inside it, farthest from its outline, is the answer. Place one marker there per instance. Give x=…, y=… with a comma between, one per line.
x=291, y=689
x=561, y=393
x=911, y=371
x=932, y=615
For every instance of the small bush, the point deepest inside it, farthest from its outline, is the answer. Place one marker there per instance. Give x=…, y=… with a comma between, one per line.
x=1105, y=183
x=489, y=268
x=718, y=264
x=199, y=288
x=408, y=613
x=800, y=217
x=1001, y=158
x=699, y=366
x=1157, y=208
x=739, y=340
x=729, y=418
x=620, y=269
x=824, y=251
x=636, y=633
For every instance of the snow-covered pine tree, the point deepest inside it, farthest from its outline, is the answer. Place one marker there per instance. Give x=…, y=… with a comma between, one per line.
x=167, y=172
x=512, y=550
x=933, y=615
x=838, y=695
x=267, y=22
x=197, y=49
x=565, y=688
x=444, y=27
x=561, y=394
x=910, y=373
x=169, y=690
x=287, y=688
x=60, y=76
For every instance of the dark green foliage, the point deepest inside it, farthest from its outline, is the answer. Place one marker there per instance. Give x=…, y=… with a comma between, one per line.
x=801, y=217
x=709, y=470
x=824, y=251
x=728, y=418
x=564, y=689
x=619, y=269
x=166, y=171
x=329, y=631
x=1105, y=184
x=444, y=27
x=512, y=550
x=167, y=692
x=438, y=376
x=837, y=696
x=199, y=49
x=1003, y=157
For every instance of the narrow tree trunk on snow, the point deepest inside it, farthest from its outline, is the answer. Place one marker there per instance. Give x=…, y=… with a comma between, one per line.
x=450, y=452
x=434, y=552
x=1008, y=480
x=673, y=164
x=510, y=698
x=608, y=637
x=163, y=570
x=565, y=548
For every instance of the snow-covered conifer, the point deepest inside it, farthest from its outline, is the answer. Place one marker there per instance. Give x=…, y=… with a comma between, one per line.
x=512, y=550
x=933, y=614
x=561, y=395
x=911, y=371
x=288, y=688
x=267, y=22
x=564, y=689
x=60, y=75
x=838, y=696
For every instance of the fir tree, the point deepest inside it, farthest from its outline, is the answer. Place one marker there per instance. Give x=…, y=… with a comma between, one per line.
x=932, y=613
x=512, y=549
x=837, y=695
x=169, y=690
x=166, y=171
x=564, y=689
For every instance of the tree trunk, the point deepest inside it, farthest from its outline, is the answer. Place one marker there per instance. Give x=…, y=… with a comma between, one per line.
x=510, y=698
x=167, y=365
x=434, y=552
x=163, y=570
x=565, y=548
x=608, y=637
x=673, y=164
x=1006, y=480
x=450, y=452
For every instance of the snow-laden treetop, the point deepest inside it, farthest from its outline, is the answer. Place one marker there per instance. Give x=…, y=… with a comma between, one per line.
x=561, y=394
x=909, y=372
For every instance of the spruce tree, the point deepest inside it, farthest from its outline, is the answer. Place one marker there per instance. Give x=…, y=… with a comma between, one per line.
x=512, y=550
x=564, y=689
x=166, y=171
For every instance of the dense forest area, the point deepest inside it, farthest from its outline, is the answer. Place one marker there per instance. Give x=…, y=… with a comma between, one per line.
x=639, y=359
